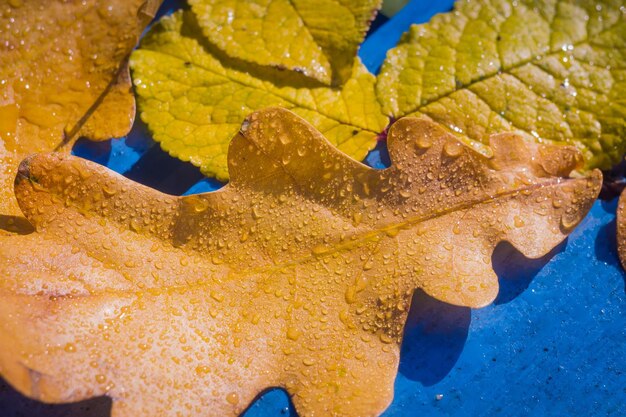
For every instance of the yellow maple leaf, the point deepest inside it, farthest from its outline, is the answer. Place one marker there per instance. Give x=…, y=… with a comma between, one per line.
x=551, y=70
x=194, y=99
x=318, y=38
x=297, y=274
x=64, y=75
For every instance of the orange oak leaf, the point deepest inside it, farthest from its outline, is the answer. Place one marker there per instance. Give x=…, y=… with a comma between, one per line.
x=63, y=74
x=297, y=274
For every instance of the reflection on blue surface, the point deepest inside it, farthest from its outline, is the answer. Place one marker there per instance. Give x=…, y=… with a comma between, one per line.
x=553, y=343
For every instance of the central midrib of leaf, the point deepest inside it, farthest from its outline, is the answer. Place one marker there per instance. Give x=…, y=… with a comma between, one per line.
x=373, y=235
x=506, y=71
x=286, y=99
x=376, y=234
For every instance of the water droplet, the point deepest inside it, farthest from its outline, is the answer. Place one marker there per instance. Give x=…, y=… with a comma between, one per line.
x=293, y=333
x=423, y=142
x=284, y=138
x=385, y=338
x=568, y=222
x=217, y=296
x=134, y=225
x=108, y=191
x=319, y=250
x=452, y=148
x=232, y=398
x=350, y=294
x=202, y=370
x=200, y=205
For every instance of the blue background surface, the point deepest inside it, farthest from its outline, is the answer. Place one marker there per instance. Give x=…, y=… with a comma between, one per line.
x=552, y=344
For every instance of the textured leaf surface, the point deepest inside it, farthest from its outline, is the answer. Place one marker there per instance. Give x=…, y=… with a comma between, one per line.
x=297, y=274
x=194, y=98
x=63, y=74
x=318, y=38
x=553, y=70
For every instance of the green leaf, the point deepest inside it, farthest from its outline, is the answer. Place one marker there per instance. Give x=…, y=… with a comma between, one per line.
x=318, y=38
x=552, y=70
x=194, y=98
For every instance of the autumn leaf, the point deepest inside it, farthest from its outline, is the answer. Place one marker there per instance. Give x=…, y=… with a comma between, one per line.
x=64, y=75
x=621, y=229
x=318, y=38
x=297, y=274
x=551, y=70
x=194, y=98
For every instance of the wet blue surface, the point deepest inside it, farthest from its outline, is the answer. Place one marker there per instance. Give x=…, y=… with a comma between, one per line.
x=553, y=343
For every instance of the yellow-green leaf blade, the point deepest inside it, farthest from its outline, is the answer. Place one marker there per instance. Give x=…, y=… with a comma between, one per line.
x=194, y=99
x=319, y=38
x=552, y=70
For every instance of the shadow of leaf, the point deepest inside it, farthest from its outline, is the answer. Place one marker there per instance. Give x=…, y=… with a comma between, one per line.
x=99, y=152
x=515, y=271
x=15, y=224
x=14, y=404
x=434, y=337
x=158, y=170
x=605, y=246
